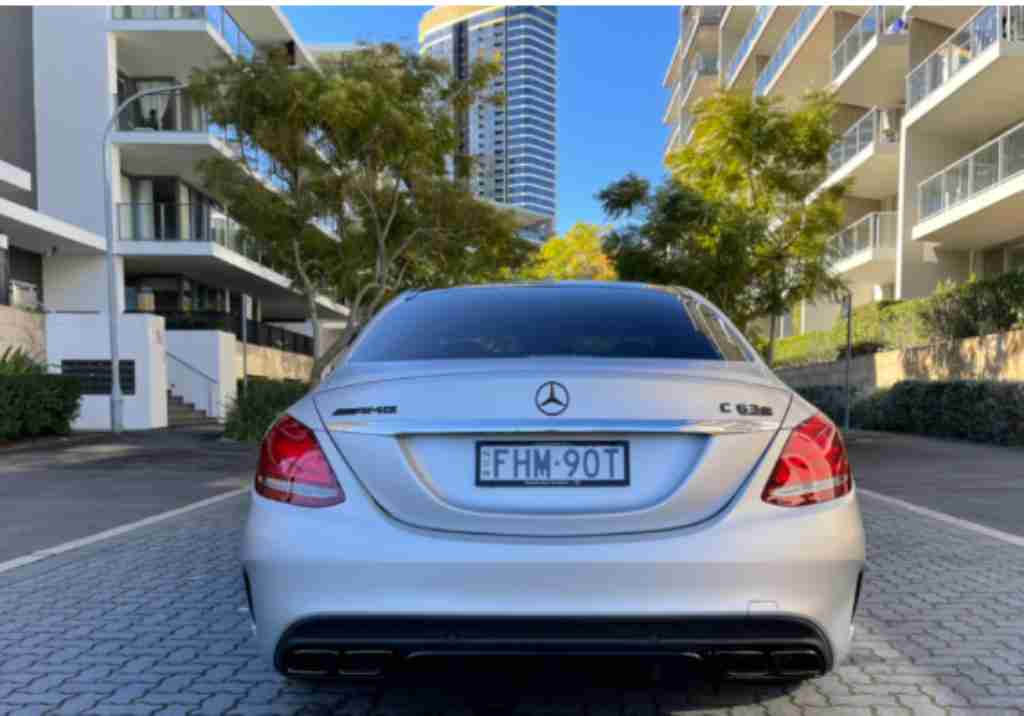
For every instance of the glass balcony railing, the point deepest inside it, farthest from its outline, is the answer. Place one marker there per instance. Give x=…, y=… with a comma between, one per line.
x=988, y=26
x=984, y=168
x=878, y=125
x=879, y=230
x=758, y=21
x=183, y=222
x=787, y=47
x=216, y=15
x=686, y=124
x=701, y=65
x=879, y=20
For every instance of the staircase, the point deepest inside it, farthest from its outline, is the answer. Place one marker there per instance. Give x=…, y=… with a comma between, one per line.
x=184, y=415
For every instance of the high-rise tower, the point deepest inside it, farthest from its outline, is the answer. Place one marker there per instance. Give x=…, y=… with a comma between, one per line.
x=514, y=144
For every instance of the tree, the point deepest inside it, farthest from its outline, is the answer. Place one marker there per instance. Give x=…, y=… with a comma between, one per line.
x=576, y=255
x=683, y=239
x=372, y=142
x=749, y=155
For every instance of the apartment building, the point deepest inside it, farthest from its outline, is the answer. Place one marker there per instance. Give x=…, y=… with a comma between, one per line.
x=931, y=119
x=188, y=286
x=514, y=144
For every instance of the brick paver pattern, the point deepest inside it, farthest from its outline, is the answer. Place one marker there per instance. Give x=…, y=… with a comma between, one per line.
x=156, y=623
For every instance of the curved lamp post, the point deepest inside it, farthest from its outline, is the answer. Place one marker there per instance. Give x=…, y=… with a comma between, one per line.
x=116, y=399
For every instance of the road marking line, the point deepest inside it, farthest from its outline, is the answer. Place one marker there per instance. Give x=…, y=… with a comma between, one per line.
x=947, y=518
x=107, y=534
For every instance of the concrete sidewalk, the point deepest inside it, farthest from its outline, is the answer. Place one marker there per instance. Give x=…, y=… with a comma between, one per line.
x=978, y=483
x=54, y=494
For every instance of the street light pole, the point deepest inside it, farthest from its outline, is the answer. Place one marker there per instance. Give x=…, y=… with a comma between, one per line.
x=116, y=399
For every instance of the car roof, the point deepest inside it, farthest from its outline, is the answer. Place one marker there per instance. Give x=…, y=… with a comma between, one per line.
x=573, y=284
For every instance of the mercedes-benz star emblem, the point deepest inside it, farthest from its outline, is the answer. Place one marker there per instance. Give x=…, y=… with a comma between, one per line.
x=552, y=398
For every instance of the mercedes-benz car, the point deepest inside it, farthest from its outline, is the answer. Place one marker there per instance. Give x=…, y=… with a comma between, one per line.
x=566, y=468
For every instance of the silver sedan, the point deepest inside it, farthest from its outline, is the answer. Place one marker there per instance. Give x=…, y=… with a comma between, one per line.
x=567, y=468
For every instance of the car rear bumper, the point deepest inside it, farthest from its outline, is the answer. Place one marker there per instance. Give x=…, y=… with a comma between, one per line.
x=374, y=647
x=764, y=579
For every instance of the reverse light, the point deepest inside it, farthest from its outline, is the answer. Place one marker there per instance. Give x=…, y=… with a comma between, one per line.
x=813, y=467
x=294, y=469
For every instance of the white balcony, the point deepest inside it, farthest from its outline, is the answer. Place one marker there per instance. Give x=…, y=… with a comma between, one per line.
x=970, y=87
x=868, y=154
x=865, y=251
x=762, y=36
x=805, y=34
x=977, y=201
x=870, y=63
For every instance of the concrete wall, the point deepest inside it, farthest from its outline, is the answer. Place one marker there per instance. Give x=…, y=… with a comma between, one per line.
x=72, y=336
x=79, y=283
x=23, y=329
x=996, y=357
x=272, y=363
x=75, y=82
x=208, y=379
x=17, y=100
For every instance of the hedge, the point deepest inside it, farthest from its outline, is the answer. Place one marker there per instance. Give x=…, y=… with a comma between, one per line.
x=37, y=404
x=257, y=406
x=953, y=312
x=977, y=410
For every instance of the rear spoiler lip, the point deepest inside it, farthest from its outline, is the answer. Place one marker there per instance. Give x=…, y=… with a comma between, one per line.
x=399, y=426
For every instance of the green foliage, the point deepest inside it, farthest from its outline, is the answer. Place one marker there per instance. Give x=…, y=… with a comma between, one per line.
x=979, y=411
x=976, y=308
x=740, y=220
x=954, y=312
x=17, y=361
x=34, y=404
x=830, y=399
x=255, y=408
x=576, y=255
x=365, y=141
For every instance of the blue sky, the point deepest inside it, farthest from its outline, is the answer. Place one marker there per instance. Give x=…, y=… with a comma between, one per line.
x=610, y=101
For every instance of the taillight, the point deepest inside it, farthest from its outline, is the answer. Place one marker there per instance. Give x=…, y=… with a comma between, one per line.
x=813, y=467
x=294, y=469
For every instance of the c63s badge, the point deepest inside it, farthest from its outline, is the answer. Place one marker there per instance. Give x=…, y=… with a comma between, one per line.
x=745, y=409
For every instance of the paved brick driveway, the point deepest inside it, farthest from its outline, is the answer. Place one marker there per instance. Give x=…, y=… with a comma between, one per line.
x=153, y=622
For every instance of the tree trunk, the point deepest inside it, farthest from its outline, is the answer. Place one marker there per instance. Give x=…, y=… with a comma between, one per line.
x=774, y=323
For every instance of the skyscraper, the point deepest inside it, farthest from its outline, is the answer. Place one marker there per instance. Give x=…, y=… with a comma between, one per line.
x=514, y=144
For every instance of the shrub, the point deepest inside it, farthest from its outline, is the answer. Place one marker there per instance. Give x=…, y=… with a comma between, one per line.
x=975, y=410
x=255, y=408
x=977, y=308
x=34, y=404
x=16, y=361
x=829, y=399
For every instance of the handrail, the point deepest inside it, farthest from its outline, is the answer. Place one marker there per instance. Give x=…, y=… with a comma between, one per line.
x=1001, y=167
x=192, y=368
x=786, y=48
x=976, y=35
x=873, y=23
x=747, y=42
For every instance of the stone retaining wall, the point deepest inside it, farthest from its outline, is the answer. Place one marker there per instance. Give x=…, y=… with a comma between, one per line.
x=996, y=357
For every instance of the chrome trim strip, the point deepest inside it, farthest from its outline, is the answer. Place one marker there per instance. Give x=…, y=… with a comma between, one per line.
x=551, y=425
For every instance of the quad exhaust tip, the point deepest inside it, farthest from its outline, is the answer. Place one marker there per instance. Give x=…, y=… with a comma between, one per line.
x=327, y=663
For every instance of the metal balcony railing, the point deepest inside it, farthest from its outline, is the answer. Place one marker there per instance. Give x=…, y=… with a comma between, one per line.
x=218, y=16
x=879, y=230
x=753, y=29
x=700, y=65
x=984, y=168
x=879, y=20
x=183, y=222
x=878, y=125
x=988, y=26
x=257, y=333
x=786, y=48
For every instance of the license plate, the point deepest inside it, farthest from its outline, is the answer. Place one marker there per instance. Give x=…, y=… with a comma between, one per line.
x=552, y=464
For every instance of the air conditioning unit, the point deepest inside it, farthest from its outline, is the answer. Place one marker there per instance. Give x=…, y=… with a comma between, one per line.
x=24, y=294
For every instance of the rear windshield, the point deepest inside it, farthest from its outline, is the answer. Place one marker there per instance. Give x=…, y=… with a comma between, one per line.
x=526, y=322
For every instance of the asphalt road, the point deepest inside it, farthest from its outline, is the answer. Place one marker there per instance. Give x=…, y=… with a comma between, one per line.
x=978, y=483
x=54, y=495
